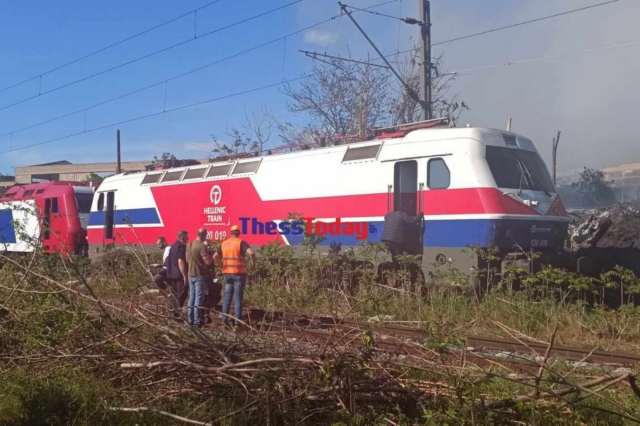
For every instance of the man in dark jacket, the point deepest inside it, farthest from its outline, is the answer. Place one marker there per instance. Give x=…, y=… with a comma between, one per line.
x=402, y=234
x=177, y=270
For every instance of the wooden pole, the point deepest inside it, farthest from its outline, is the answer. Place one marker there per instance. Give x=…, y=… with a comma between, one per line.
x=118, y=167
x=556, y=140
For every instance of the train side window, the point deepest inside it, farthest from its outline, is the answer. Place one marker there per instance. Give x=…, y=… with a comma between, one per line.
x=54, y=206
x=405, y=181
x=46, y=220
x=101, y=202
x=438, y=174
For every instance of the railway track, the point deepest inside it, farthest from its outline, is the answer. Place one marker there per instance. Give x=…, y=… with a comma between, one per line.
x=523, y=350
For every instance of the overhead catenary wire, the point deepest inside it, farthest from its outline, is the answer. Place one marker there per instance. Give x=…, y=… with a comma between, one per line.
x=543, y=58
x=148, y=30
x=159, y=83
x=151, y=54
x=530, y=21
x=281, y=38
x=142, y=117
x=267, y=86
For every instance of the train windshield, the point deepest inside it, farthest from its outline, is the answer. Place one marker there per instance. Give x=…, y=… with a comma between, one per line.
x=84, y=202
x=518, y=169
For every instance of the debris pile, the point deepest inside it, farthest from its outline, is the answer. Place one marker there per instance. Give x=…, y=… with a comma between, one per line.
x=616, y=227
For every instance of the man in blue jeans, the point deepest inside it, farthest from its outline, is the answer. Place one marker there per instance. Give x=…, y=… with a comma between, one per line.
x=199, y=262
x=231, y=256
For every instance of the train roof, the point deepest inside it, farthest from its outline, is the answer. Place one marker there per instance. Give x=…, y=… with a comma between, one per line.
x=32, y=190
x=484, y=136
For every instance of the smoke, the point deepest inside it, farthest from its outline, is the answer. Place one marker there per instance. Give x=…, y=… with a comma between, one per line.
x=592, y=98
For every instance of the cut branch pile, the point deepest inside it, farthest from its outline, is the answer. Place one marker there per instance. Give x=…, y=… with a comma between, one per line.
x=204, y=377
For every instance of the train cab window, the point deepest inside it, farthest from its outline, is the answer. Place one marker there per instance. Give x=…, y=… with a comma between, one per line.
x=84, y=202
x=27, y=193
x=54, y=206
x=518, y=169
x=438, y=174
x=100, y=205
x=405, y=182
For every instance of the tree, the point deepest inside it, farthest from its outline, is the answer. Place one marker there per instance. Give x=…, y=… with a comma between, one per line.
x=404, y=109
x=351, y=98
x=164, y=157
x=342, y=98
x=590, y=190
x=252, y=136
x=94, y=178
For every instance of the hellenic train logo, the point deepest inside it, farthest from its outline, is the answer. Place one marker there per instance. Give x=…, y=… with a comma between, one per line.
x=534, y=229
x=215, y=195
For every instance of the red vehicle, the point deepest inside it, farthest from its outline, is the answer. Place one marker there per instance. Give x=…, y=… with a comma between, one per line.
x=53, y=215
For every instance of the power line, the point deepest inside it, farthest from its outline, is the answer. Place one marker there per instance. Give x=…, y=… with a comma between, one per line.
x=374, y=13
x=267, y=86
x=525, y=22
x=506, y=27
x=244, y=92
x=110, y=46
x=542, y=58
x=235, y=55
x=151, y=54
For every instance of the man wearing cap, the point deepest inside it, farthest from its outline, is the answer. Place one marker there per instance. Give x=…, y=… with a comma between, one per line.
x=231, y=256
x=199, y=262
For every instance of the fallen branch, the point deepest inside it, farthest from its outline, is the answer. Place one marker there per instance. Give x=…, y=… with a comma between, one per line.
x=164, y=413
x=510, y=402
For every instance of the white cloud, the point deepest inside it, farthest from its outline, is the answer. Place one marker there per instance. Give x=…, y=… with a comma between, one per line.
x=319, y=37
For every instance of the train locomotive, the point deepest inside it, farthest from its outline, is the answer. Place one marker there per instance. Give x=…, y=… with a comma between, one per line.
x=475, y=187
x=52, y=216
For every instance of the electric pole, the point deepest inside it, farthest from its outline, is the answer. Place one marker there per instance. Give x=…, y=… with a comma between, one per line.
x=118, y=164
x=425, y=65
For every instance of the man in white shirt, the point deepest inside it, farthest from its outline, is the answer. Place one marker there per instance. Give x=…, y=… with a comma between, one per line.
x=161, y=243
x=161, y=278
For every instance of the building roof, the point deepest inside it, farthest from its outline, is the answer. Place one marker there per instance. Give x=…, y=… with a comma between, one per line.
x=54, y=163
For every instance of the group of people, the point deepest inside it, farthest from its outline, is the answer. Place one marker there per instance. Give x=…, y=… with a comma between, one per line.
x=188, y=272
x=188, y=268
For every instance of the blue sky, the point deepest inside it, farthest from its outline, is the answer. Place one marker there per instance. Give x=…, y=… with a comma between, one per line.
x=591, y=98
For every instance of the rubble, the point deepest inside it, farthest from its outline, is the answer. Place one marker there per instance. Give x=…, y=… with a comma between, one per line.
x=616, y=227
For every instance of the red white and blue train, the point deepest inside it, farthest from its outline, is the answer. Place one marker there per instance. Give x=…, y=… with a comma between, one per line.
x=475, y=186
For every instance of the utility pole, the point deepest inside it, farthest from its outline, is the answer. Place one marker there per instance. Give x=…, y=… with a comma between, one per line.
x=425, y=65
x=554, y=154
x=118, y=168
x=426, y=109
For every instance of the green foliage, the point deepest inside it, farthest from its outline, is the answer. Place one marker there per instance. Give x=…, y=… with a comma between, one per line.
x=94, y=178
x=121, y=271
x=60, y=397
x=163, y=157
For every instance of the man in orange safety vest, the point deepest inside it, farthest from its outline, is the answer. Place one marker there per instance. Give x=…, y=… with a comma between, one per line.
x=231, y=255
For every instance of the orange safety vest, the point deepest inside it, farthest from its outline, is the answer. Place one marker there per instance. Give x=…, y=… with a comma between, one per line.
x=233, y=262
